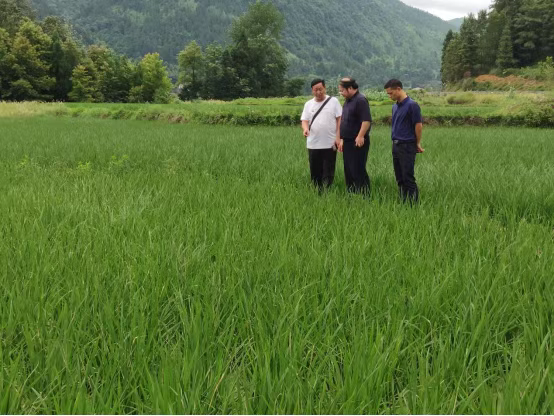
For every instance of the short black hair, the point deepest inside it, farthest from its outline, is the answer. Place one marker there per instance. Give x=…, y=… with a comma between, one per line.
x=394, y=83
x=349, y=82
x=318, y=81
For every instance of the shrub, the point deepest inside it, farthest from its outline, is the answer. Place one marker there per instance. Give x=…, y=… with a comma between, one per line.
x=464, y=98
x=468, y=84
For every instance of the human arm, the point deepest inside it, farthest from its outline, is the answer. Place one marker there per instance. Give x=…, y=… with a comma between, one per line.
x=306, y=128
x=419, y=133
x=365, y=115
x=360, y=139
x=417, y=121
x=338, y=141
x=305, y=117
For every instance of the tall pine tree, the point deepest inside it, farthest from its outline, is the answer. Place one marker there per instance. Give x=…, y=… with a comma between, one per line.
x=505, y=57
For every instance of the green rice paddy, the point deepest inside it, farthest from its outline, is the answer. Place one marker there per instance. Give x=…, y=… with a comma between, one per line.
x=166, y=268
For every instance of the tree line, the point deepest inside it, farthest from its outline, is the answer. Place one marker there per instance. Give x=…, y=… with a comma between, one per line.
x=513, y=34
x=45, y=60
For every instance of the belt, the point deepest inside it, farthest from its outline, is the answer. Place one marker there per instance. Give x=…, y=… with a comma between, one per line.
x=403, y=141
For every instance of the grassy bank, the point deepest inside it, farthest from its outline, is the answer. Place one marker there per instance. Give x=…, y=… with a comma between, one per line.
x=531, y=110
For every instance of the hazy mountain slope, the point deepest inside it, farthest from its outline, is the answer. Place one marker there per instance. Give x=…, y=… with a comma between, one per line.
x=370, y=39
x=456, y=22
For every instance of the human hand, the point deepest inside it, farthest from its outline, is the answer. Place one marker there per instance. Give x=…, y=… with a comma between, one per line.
x=306, y=132
x=360, y=140
x=420, y=149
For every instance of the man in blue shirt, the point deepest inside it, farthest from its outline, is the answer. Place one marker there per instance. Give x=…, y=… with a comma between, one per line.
x=354, y=134
x=407, y=128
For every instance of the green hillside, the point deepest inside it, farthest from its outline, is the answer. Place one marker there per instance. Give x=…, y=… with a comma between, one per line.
x=370, y=39
x=457, y=22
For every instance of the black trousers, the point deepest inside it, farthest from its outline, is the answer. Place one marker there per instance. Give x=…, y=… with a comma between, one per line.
x=322, y=166
x=355, y=173
x=403, y=159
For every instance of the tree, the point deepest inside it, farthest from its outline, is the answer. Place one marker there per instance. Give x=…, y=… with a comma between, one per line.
x=481, y=27
x=64, y=56
x=124, y=72
x=230, y=87
x=7, y=62
x=505, y=57
x=546, y=28
x=154, y=81
x=260, y=61
x=261, y=19
x=13, y=12
x=191, y=63
x=447, y=39
x=294, y=86
x=31, y=51
x=508, y=7
x=491, y=39
x=84, y=89
x=528, y=31
x=469, y=44
x=446, y=42
x=453, y=66
x=213, y=72
x=114, y=73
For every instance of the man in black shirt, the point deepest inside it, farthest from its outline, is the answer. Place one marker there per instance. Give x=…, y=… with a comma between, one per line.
x=354, y=132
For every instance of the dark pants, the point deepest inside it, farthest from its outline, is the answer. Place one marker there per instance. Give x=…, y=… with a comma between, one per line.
x=403, y=159
x=355, y=173
x=322, y=166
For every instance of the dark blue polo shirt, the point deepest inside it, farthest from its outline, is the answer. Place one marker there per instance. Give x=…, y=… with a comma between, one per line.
x=354, y=111
x=405, y=115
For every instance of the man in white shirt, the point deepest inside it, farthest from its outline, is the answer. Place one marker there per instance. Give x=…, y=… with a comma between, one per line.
x=321, y=125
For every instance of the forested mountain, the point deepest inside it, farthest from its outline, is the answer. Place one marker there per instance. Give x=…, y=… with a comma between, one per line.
x=369, y=39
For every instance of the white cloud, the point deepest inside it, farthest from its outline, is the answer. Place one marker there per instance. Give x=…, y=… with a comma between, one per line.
x=449, y=9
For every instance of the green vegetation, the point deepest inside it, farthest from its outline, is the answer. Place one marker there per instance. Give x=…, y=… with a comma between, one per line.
x=43, y=61
x=157, y=268
x=466, y=98
x=532, y=110
x=514, y=34
x=321, y=38
x=254, y=65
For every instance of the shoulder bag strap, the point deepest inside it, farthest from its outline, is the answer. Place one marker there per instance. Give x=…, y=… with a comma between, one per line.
x=319, y=111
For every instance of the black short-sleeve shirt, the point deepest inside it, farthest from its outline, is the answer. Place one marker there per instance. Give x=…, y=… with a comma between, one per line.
x=354, y=112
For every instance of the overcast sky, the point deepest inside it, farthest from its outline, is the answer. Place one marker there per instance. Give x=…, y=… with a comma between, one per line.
x=449, y=9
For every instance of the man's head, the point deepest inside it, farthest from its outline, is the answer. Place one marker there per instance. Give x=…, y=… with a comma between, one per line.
x=348, y=87
x=395, y=90
x=318, y=89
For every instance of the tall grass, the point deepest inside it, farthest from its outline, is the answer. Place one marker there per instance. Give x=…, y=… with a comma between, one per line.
x=148, y=267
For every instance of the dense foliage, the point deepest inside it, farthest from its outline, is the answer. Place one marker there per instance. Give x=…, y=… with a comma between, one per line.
x=45, y=61
x=253, y=65
x=516, y=33
x=369, y=39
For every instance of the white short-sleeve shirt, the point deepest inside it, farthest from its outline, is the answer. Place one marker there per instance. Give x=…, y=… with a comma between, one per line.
x=324, y=128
